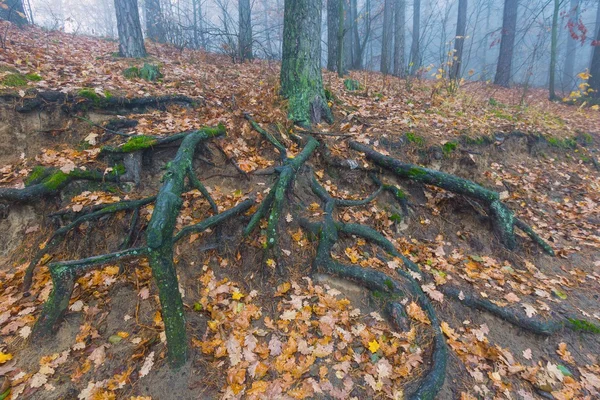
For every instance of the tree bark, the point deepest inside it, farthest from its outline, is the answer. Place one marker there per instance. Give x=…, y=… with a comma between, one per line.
x=356, y=51
x=245, y=30
x=595, y=68
x=507, y=44
x=459, y=40
x=387, y=38
x=399, y=23
x=569, y=68
x=131, y=40
x=301, y=80
x=553, y=51
x=155, y=28
x=333, y=23
x=341, y=45
x=415, y=51
x=14, y=12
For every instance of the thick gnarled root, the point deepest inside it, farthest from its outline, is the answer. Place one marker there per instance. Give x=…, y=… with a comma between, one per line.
x=503, y=218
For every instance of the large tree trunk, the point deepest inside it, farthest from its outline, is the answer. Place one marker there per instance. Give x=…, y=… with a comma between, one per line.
x=595, y=68
x=553, y=51
x=245, y=30
x=155, y=27
x=507, y=44
x=399, y=22
x=14, y=12
x=459, y=41
x=387, y=38
x=569, y=67
x=131, y=40
x=415, y=51
x=301, y=80
x=333, y=24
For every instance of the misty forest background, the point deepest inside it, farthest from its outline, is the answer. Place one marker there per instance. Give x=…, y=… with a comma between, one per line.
x=428, y=38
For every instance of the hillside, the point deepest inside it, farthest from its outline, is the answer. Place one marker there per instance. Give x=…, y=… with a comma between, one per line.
x=517, y=323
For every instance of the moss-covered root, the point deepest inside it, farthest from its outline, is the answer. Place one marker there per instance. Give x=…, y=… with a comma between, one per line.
x=431, y=384
x=142, y=142
x=273, y=203
x=59, y=235
x=159, y=238
x=63, y=276
x=502, y=217
x=269, y=137
x=49, y=182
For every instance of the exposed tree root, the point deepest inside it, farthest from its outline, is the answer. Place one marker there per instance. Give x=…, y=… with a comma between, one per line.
x=273, y=203
x=85, y=101
x=159, y=249
x=59, y=235
x=503, y=218
x=50, y=181
x=272, y=139
x=328, y=231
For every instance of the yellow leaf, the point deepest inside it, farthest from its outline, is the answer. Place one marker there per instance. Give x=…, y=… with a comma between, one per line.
x=271, y=263
x=415, y=312
x=124, y=335
x=112, y=270
x=237, y=295
x=373, y=346
x=4, y=357
x=595, y=107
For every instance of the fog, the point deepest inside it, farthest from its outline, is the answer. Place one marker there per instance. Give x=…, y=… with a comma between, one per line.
x=213, y=25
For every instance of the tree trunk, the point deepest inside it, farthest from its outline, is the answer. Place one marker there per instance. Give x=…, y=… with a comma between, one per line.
x=333, y=24
x=356, y=51
x=387, y=38
x=553, y=51
x=595, y=68
x=415, y=52
x=399, y=22
x=245, y=30
x=131, y=40
x=569, y=67
x=155, y=28
x=507, y=44
x=459, y=41
x=341, y=50
x=14, y=12
x=301, y=80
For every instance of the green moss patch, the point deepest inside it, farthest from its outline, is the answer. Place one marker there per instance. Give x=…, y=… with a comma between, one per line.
x=148, y=72
x=352, y=85
x=138, y=143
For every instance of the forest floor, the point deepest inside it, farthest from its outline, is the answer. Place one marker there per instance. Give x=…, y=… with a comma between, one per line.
x=265, y=335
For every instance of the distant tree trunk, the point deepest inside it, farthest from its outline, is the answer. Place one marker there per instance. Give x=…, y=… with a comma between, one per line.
x=155, y=28
x=459, y=41
x=553, y=51
x=387, y=37
x=301, y=80
x=362, y=45
x=131, y=40
x=507, y=43
x=569, y=67
x=597, y=20
x=333, y=26
x=415, y=52
x=595, y=68
x=245, y=30
x=348, y=38
x=341, y=50
x=399, y=25
x=356, y=51
x=14, y=12
x=484, y=57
